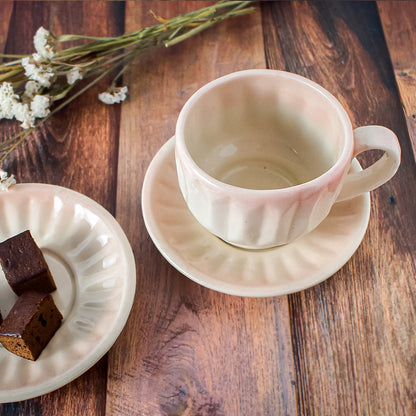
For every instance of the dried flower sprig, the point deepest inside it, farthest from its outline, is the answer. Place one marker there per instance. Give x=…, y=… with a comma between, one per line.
x=6, y=181
x=30, y=85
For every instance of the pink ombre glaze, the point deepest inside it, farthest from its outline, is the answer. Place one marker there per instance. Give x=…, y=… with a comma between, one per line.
x=252, y=218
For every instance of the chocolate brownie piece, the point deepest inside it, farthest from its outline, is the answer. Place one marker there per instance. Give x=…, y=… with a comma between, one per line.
x=1, y=319
x=24, y=266
x=30, y=324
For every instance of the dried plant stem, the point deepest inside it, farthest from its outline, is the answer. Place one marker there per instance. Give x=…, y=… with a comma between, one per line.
x=102, y=56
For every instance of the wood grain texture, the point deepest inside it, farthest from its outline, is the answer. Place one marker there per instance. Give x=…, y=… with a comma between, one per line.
x=353, y=336
x=399, y=23
x=76, y=149
x=6, y=10
x=187, y=350
x=344, y=347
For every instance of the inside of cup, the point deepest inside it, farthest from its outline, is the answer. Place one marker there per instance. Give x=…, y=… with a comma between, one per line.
x=263, y=131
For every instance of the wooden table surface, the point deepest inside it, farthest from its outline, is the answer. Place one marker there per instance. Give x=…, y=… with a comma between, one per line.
x=344, y=347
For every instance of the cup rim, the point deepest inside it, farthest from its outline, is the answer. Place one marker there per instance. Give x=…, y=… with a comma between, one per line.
x=342, y=161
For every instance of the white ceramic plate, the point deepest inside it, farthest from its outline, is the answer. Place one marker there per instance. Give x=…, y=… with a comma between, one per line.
x=93, y=266
x=209, y=261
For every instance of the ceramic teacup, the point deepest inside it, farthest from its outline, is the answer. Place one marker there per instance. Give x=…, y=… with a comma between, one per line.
x=262, y=155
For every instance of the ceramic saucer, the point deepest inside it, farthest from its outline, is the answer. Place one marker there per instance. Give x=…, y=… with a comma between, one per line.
x=209, y=261
x=94, y=270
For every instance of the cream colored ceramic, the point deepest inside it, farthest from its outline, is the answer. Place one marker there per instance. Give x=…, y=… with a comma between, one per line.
x=262, y=156
x=94, y=269
x=211, y=262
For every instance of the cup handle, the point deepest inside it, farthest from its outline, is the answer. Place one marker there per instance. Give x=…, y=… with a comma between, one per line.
x=367, y=138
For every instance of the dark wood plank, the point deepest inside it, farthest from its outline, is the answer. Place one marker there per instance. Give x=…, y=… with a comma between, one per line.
x=6, y=10
x=186, y=349
x=399, y=24
x=353, y=335
x=76, y=149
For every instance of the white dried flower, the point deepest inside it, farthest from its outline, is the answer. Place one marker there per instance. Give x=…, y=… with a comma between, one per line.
x=36, y=57
x=29, y=68
x=6, y=181
x=106, y=98
x=40, y=106
x=44, y=43
x=8, y=99
x=37, y=72
x=73, y=75
x=31, y=89
x=23, y=114
x=116, y=96
x=7, y=91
